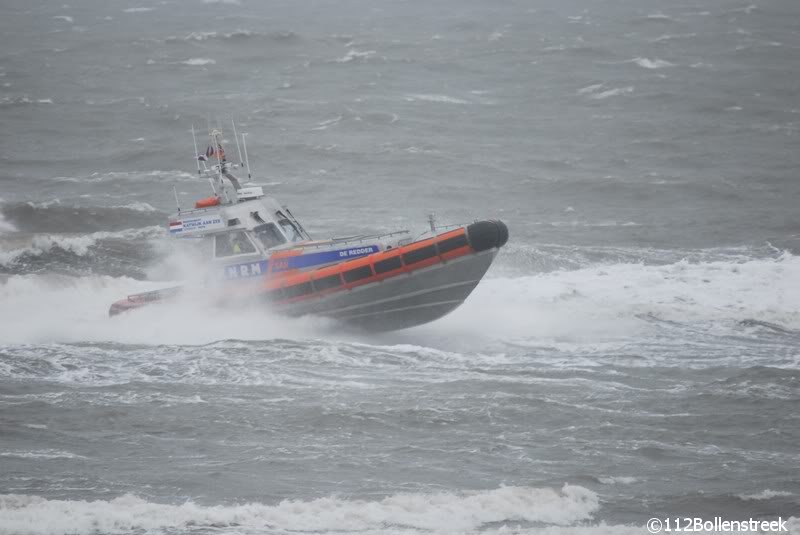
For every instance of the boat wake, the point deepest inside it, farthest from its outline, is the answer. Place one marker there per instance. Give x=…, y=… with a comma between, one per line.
x=585, y=307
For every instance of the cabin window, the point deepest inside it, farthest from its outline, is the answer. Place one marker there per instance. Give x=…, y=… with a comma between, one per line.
x=291, y=231
x=357, y=274
x=389, y=264
x=304, y=288
x=418, y=255
x=275, y=295
x=232, y=244
x=269, y=235
x=451, y=244
x=326, y=283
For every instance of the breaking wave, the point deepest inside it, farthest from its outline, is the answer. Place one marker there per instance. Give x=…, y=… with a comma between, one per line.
x=766, y=494
x=443, y=512
x=436, y=98
x=601, y=91
x=355, y=55
x=651, y=63
x=672, y=37
x=5, y=225
x=136, y=207
x=603, y=303
x=41, y=454
x=60, y=217
x=137, y=176
x=235, y=35
x=199, y=61
x=113, y=253
x=23, y=101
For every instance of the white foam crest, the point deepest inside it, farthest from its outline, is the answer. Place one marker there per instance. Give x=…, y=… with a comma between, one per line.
x=18, y=100
x=590, y=89
x=324, y=125
x=196, y=36
x=353, y=55
x=226, y=2
x=615, y=92
x=746, y=9
x=137, y=9
x=204, y=36
x=130, y=175
x=44, y=204
x=613, y=302
x=138, y=206
x=651, y=63
x=435, y=98
x=41, y=454
x=766, y=494
x=612, y=480
x=599, y=529
x=74, y=309
x=5, y=226
x=65, y=18
x=672, y=36
x=440, y=512
x=659, y=16
x=39, y=244
x=199, y=61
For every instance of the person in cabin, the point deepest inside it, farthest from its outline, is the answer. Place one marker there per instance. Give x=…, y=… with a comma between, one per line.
x=236, y=245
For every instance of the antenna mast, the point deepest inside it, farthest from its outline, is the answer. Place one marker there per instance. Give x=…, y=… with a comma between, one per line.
x=246, y=159
x=236, y=137
x=196, y=154
x=175, y=191
x=216, y=145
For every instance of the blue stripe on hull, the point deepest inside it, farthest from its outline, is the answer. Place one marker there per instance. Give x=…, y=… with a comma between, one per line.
x=259, y=268
x=324, y=257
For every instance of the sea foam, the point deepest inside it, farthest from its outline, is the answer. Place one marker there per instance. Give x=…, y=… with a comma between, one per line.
x=199, y=61
x=444, y=512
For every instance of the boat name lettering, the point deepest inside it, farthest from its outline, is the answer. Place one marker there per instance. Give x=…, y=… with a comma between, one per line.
x=248, y=269
x=302, y=261
x=200, y=223
x=357, y=252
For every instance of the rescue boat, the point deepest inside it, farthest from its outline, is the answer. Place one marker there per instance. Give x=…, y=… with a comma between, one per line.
x=260, y=253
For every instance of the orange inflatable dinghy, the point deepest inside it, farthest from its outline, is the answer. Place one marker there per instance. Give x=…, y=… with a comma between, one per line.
x=207, y=202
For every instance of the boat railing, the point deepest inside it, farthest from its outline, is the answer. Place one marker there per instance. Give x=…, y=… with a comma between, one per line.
x=444, y=227
x=193, y=211
x=352, y=239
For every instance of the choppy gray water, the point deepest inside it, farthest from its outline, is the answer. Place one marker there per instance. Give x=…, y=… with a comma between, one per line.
x=633, y=353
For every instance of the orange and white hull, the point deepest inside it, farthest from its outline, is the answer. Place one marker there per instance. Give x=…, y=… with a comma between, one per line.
x=394, y=288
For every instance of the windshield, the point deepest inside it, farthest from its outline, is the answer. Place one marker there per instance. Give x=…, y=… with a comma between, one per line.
x=232, y=243
x=269, y=235
x=289, y=229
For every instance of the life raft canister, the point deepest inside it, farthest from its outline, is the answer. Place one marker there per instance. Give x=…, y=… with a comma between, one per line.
x=207, y=202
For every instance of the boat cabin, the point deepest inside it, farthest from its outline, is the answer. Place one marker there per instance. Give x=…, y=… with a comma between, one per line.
x=254, y=226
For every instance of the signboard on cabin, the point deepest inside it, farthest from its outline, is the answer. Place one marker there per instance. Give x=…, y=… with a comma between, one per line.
x=205, y=223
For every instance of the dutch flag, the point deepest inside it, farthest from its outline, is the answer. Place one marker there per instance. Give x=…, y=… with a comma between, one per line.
x=175, y=226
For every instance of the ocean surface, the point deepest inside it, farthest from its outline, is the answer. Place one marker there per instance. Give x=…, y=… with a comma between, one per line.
x=634, y=352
